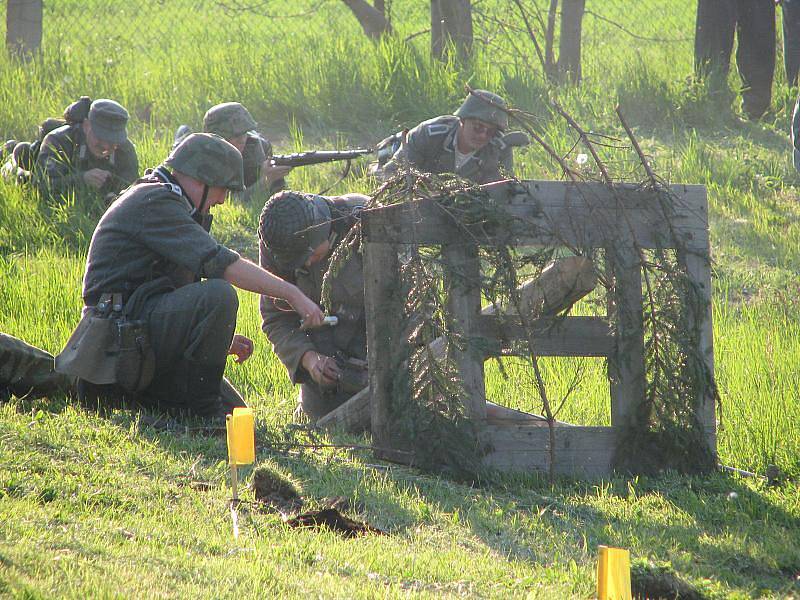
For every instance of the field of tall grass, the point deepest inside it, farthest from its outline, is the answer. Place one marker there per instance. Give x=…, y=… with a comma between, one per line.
x=100, y=506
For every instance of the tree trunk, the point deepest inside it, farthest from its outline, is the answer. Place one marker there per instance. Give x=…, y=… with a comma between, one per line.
x=451, y=24
x=569, y=53
x=372, y=18
x=24, y=27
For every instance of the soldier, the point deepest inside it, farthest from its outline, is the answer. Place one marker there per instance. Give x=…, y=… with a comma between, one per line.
x=298, y=233
x=143, y=270
x=93, y=154
x=28, y=371
x=752, y=22
x=233, y=122
x=470, y=143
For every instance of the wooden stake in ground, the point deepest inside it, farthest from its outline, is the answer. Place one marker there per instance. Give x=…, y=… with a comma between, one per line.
x=241, y=436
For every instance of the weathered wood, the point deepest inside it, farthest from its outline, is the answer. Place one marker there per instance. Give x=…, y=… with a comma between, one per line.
x=569, y=336
x=699, y=269
x=382, y=310
x=580, y=451
x=24, y=27
x=585, y=215
x=561, y=284
x=463, y=290
x=626, y=366
x=354, y=416
x=623, y=221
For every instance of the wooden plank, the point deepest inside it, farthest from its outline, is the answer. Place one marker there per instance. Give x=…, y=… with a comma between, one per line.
x=699, y=269
x=560, y=213
x=462, y=287
x=567, y=336
x=354, y=416
x=626, y=366
x=382, y=309
x=580, y=451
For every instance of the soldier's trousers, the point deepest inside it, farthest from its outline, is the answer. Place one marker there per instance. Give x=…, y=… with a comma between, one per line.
x=791, y=40
x=190, y=331
x=753, y=23
x=28, y=371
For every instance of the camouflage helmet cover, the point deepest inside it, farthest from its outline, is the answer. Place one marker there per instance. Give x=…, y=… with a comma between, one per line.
x=292, y=225
x=485, y=106
x=210, y=159
x=228, y=120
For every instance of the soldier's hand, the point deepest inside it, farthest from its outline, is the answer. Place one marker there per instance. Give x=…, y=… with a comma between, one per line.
x=311, y=315
x=96, y=178
x=241, y=348
x=272, y=173
x=323, y=369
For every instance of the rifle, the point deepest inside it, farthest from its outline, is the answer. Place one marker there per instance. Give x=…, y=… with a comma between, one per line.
x=315, y=157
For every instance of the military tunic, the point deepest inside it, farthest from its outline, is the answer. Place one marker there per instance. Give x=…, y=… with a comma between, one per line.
x=430, y=147
x=347, y=340
x=64, y=158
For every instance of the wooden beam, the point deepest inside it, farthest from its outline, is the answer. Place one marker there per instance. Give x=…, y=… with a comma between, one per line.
x=567, y=336
x=626, y=366
x=354, y=416
x=580, y=451
x=554, y=213
x=462, y=281
x=383, y=310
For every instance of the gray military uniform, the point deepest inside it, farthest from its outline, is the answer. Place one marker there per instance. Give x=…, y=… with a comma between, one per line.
x=430, y=147
x=344, y=342
x=28, y=371
x=64, y=158
x=148, y=247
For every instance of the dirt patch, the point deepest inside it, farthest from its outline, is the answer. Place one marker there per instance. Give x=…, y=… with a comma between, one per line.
x=660, y=582
x=273, y=490
x=331, y=518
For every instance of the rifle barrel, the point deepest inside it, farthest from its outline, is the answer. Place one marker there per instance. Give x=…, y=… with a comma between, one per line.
x=315, y=157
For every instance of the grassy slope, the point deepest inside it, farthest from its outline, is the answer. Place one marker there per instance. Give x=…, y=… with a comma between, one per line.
x=95, y=506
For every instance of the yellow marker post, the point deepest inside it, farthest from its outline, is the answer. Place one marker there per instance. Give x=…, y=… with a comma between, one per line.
x=241, y=435
x=613, y=574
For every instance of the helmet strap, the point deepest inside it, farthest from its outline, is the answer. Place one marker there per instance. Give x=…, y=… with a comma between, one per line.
x=204, y=220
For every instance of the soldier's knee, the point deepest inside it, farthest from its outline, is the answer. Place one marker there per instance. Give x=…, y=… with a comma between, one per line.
x=220, y=296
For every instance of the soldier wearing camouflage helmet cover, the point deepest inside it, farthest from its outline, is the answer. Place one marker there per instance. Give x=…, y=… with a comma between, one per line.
x=93, y=154
x=298, y=233
x=471, y=143
x=152, y=250
x=233, y=122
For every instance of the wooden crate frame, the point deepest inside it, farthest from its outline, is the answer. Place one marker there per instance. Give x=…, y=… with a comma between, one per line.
x=581, y=214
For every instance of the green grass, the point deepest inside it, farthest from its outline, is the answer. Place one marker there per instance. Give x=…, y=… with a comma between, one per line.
x=96, y=505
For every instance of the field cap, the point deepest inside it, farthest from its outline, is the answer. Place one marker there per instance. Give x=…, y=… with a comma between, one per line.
x=108, y=120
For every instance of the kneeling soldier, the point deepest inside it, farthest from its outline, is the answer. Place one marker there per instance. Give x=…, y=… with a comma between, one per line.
x=156, y=279
x=298, y=234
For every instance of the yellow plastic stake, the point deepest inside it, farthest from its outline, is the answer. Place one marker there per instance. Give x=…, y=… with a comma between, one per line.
x=241, y=434
x=613, y=574
x=241, y=437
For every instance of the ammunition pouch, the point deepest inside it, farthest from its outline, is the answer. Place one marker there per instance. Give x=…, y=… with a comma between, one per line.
x=107, y=348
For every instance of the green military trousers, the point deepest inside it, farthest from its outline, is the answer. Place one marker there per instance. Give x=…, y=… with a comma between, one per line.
x=28, y=371
x=191, y=330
